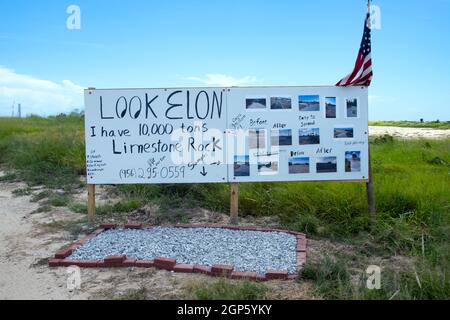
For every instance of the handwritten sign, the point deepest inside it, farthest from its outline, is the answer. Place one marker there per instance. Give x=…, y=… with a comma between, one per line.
x=203, y=135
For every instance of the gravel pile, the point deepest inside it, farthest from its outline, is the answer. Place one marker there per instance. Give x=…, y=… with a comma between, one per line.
x=250, y=251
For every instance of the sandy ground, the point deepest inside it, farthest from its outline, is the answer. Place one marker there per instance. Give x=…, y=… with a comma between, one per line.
x=409, y=133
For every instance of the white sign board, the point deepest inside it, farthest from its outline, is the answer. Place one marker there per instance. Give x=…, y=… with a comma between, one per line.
x=202, y=135
x=299, y=133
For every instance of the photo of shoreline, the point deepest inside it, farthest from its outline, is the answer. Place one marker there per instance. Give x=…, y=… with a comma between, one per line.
x=353, y=161
x=298, y=165
x=345, y=133
x=330, y=107
x=241, y=166
x=280, y=103
x=326, y=165
x=255, y=103
x=281, y=137
x=309, y=103
x=309, y=136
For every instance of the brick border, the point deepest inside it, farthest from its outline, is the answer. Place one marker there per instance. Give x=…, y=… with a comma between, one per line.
x=220, y=270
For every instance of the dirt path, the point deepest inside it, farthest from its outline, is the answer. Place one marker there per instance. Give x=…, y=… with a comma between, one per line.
x=20, y=254
x=410, y=133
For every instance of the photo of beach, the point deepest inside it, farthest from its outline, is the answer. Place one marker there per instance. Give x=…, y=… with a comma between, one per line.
x=345, y=133
x=352, y=108
x=241, y=166
x=268, y=165
x=330, y=107
x=309, y=103
x=309, y=136
x=255, y=103
x=326, y=165
x=257, y=138
x=352, y=161
x=280, y=103
x=298, y=165
x=281, y=137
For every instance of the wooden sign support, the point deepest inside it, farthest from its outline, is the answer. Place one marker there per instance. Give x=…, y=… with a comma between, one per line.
x=370, y=191
x=234, y=203
x=91, y=203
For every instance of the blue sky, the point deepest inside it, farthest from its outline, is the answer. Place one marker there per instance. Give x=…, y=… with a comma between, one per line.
x=134, y=43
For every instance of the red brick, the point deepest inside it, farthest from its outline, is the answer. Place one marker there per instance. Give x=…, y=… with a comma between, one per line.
x=221, y=270
x=63, y=253
x=244, y=275
x=117, y=259
x=129, y=263
x=85, y=239
x=184, y=225
x=301, y=244
x=133, y=226
x=250, y=228
x=276, y=274
x=186, y=268
x=144, y=263
x=107, y=226
x=97, y=232
x=68, y=263
x=261, y=277
x=292, y=277
x=301, y=260
x=232, y=227
x=54, y=262
x=202, y=269
x=87, y=263
x=165, y=263
x=265, y=229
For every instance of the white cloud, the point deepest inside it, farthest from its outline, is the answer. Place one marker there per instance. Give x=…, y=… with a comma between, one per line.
x=222, y=80
x=36, y=95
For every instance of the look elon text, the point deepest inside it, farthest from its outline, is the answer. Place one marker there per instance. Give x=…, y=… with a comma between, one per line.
x=160, y=115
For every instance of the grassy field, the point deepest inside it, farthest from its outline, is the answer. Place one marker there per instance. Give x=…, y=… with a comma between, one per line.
x=413, y=124
x=412, y=187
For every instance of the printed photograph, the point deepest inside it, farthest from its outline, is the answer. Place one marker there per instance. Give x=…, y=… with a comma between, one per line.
x=257, y=138
x=309, y=103
x=268, y=165
x=330, y=107
x=280, y=103
x=298, y=165
x=309, y=136
x=281, y=137
x=352, y=108
x=242, y=166
x=352, y=161
x=343, y=133
x=255, y=103
x=326, y=165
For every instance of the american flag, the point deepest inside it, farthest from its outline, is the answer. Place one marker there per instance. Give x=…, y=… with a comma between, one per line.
x=362, y=73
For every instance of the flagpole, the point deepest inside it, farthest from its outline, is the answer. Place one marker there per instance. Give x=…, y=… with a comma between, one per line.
x=370, y=190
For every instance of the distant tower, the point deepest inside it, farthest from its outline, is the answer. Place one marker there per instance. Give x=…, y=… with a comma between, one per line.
x=19, y=110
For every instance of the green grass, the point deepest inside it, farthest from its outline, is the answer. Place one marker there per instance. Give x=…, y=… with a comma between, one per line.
x=337, y=279
x=413, y=124
x=44, y=151
x=411, y=179
x=224, y=289
x=123, y=206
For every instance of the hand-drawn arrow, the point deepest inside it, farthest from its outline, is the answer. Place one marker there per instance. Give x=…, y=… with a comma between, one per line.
x=203, y=172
